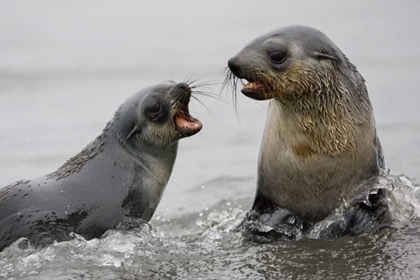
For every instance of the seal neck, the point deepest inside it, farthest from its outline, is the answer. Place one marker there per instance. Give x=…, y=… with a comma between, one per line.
x=157, y=161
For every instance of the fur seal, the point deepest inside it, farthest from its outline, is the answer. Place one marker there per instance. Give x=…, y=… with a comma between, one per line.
x=320, y=141
x=119, y=178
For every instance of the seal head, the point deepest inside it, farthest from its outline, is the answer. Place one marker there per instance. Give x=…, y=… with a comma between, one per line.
x=320, y=140
x=161, y=116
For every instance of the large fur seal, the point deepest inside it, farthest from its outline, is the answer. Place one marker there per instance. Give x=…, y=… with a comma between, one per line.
x=117, y=179
x=320, y=141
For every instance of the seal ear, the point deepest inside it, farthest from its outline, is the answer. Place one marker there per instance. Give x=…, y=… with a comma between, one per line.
x=321, y=55
x=131, y=133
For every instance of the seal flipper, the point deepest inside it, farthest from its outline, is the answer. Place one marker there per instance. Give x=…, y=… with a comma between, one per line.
x=366, y=216
x=279, y=225
x=370, y=218
x=267, y=222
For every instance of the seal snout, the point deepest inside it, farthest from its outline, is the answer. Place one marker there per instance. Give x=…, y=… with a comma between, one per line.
x=256, y=86
x=183, y=87
x=235, y=68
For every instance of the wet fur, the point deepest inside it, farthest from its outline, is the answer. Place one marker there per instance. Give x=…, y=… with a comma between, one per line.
x=320, y=140
x=118, y=178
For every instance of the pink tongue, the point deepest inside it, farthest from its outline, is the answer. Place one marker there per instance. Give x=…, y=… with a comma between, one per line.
x=181, y=122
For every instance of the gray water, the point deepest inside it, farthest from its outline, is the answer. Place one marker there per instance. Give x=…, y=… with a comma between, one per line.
x=65, y=67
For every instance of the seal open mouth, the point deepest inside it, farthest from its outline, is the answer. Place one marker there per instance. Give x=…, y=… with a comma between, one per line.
x=256, y=85
x=185, y=124
x=256, y=90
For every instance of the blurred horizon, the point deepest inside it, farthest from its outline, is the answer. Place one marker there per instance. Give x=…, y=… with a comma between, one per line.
x=66, y=66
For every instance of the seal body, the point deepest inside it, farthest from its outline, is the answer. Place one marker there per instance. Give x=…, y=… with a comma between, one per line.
x=320, y=141
x=119, y=177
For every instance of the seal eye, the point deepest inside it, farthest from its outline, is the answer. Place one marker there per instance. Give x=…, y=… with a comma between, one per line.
x=155, y=111
x=155, y=108
x=277, y=56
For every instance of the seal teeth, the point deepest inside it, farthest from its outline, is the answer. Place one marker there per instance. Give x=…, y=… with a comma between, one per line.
x=250, y=85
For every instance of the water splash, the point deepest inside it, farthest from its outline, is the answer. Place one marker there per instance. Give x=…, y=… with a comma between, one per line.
x=210, y=246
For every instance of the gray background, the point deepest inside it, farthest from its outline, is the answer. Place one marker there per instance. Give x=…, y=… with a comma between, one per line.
x=65, y=66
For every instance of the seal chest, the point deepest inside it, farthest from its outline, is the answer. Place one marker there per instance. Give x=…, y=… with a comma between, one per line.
x=319, y=141
x=119, y=178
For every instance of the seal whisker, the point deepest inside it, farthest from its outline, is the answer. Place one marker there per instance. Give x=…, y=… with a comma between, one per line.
x=193, y=78
x=211, y=95
x=230, y=83
x=205, y=106
x=203, y=84
x=198, y=80
x=206, y=93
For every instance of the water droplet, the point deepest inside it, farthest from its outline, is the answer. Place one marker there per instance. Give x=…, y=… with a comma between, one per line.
x=202, y=186
x=201, y=214
x=175, y=180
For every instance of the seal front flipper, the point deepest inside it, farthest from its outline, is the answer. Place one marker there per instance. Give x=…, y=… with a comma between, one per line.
x=370, y=215
x=267, y=222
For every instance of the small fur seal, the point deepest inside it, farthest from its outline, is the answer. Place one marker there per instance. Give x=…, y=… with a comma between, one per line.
x=320, y=143
x=119, y=178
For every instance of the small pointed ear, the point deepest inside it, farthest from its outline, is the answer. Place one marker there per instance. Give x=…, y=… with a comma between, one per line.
x=321, y=55
x=131, y=133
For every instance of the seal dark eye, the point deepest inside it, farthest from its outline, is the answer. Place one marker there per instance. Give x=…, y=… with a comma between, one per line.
x=277, y=56
x=156, y=111
x=155, y=108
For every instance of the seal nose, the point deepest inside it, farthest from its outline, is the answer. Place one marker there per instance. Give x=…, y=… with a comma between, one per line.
x=183, y=86
x=234, y=66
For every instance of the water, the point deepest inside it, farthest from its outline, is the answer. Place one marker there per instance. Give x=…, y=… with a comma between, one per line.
x=66, y=66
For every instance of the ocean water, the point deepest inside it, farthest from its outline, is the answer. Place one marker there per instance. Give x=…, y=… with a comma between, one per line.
x=65, y=67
